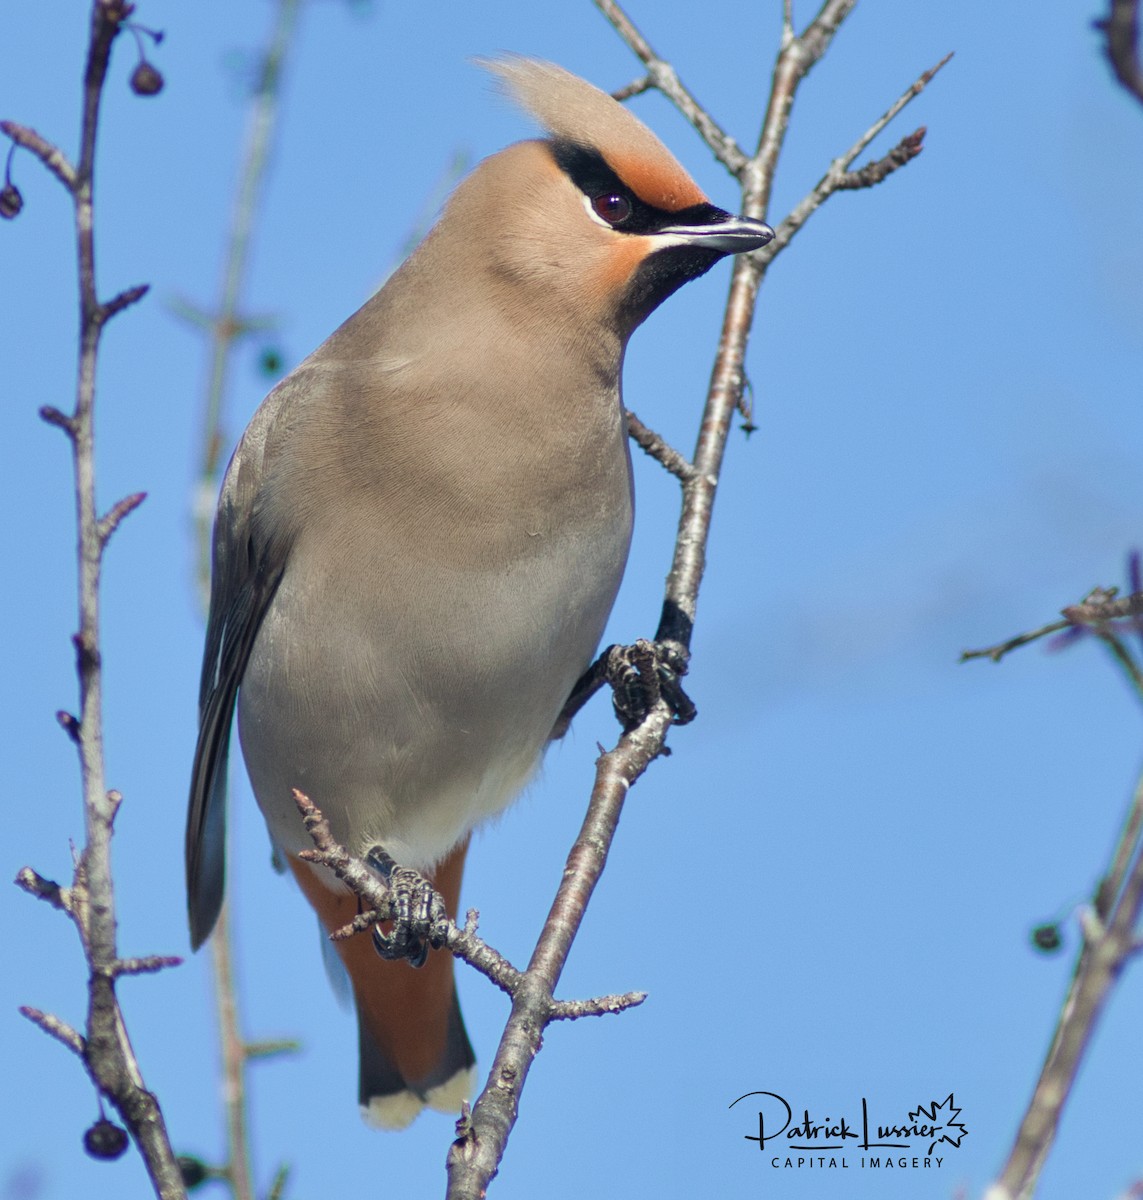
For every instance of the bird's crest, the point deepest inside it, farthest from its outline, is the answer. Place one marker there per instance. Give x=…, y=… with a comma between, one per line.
x=573, y=110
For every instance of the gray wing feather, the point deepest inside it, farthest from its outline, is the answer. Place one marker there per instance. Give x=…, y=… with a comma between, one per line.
x=247, y=568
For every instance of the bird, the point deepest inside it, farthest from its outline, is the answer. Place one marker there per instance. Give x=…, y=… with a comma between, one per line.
x=422, y=531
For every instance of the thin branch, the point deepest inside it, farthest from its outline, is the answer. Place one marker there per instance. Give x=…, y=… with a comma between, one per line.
x=796, y=56
x=997, y=652
x=1122, y=657
x=106, y=1049
x=54, y=1027
x=664, y=77
x=1108, y=945
x=149, y=965
x=880, y=169
x=110, y=520
x=60, y=420
x=635, y=88
x=1122, y=29
x=839, y=177
x=51, y=156
x=43, y=889
x=571, y=1010
x=654, y=445
x=1097, y=609
x=235, y=1055
x=474, y=1157
x=227, y=322
x=125, y=299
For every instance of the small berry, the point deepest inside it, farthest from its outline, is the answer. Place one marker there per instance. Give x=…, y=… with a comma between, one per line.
x=146, y=80
x=270, y=362
x=193, y=1170
x=105, y=1139
x=1047, y=938
x=10, y=201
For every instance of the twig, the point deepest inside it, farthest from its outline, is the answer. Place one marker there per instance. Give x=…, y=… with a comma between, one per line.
x=880, y=169
x=234, y=1055
x=106, y=1049
x=54, y=1027
x=1095, y=611
x=663, y=76
x=635, y=88
x=51, y=156
x=997, y=652
x=1122, y=29
x=43, y=889
x=110, y=520
x=651, y=443
x=840, y=178
x=1108, y=944
x=475, y=1155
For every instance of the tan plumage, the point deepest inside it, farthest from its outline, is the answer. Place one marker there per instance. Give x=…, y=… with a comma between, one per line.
x=571, y=109
x=422, y=531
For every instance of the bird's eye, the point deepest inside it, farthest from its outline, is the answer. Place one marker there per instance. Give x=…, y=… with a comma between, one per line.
x=612, y=207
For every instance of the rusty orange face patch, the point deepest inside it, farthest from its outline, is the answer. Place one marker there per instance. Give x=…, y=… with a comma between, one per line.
x=662, y=184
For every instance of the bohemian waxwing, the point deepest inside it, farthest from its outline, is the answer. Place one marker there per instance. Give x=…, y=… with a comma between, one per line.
x=421, y=534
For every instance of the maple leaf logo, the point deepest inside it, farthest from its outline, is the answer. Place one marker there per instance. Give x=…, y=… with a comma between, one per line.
x=942, y=1114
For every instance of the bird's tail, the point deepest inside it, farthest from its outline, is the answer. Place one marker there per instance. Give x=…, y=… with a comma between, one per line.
x=413, y=1045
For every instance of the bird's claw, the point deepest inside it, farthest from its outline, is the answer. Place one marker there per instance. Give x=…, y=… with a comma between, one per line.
x=419, y=918
x=644, y=673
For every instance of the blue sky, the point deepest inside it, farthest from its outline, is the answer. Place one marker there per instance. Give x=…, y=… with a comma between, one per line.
x=827, y=889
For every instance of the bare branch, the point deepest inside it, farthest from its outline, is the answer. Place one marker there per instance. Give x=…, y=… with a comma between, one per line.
x=69, y=724
x=880, y=169
x=635, y=88
x=272, y=1048
x=1122, y=656
x=571, y=1010
x=227, y=323
x=60, y=420
x=110, y=520
x=125, y=299
x=475, y=1156
x=54, y=1027
x=1097, y=609
x=51, y=156
x=997, y=652
x=1108, y=944
x=654, y=445
x=149, y=965
x=664, y=77
x=796, y=57
x=43, y=889
x=90, y=901
x=838, y=177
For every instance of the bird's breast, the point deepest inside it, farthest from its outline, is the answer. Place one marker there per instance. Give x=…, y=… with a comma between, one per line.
x=434, y=615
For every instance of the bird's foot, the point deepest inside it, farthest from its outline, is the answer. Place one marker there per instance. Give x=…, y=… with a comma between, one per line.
x=644, y=673
x=420, y=917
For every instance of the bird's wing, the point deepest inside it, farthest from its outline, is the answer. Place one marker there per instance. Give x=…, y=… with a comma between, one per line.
x=247, y=568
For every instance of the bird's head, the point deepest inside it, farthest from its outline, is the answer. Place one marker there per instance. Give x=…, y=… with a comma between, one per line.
x=598, y=221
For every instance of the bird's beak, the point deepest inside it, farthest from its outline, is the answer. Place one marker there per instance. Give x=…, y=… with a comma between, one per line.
x=727, y=235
